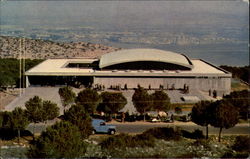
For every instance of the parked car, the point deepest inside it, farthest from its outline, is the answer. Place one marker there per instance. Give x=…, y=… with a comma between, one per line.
x=185, y=118
x=168, y=120
x=99, y=126
x=154, y=120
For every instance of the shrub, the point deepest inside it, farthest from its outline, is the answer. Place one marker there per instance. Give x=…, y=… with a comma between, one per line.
x=188, y=155
x=61, y=140
x=201, y=142
x=144, y=140
x=165, y=133
x=124, y=140
x=242, y=143
x=231, y=154
x=196, y=134
x=9, y=134
x=241, y=155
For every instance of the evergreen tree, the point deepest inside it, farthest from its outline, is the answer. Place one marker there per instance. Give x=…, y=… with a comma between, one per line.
x=79, y=117
x=112, y=102
x=142, y=100
x=6, y=80
x=201, y=114
x=18, y=120
x=241, y=100
x=38, y=110
x=9, y=70
x=67, y=96
x=4, y=119
x=34, y=111
x=161, y=101
x=62, y=140
x=89, y=99
x=224, y=115
x=50, y=110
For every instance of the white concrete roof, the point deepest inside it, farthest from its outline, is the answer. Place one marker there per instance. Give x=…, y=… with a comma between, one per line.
x=57, y=67
x=133, y=55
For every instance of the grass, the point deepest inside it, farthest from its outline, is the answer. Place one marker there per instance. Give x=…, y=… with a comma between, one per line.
x=239, y=86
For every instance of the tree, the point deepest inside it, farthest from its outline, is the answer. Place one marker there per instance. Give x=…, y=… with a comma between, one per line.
x=67, y=96
x=239, y=72
x=224, y=115
x=34, y=111
x=62, y=140
x=4, y=119
x=18, y=120
x=89, y=99
x=50, y=110
x=112, y=102
x=201, y=114
x=9, y=70
x=38, y=110
x=241, y=100
x=161, y=101
x=79, y=117
x=6, y=80
x=142, y=100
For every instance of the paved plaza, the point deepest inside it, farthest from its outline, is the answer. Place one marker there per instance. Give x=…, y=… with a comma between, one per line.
x=51, y=93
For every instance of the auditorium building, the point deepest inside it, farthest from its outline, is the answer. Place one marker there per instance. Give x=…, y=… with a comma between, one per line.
x=132, y=67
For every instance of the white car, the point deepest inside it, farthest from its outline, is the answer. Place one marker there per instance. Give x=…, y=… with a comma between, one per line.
x=154, y=120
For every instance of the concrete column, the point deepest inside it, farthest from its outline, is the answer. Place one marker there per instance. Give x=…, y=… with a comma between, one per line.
x=27, y=82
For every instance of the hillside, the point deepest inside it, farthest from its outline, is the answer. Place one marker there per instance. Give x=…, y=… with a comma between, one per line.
x=41, y=49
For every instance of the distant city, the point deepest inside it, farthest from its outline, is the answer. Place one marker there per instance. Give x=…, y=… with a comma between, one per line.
x=141, y=36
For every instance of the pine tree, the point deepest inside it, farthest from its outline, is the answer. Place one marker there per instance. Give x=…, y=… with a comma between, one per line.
x=79, y=117
x=62, y=140
x=161, y=101
x=50, y=110
x=142, y=100
x=112, y=102
x=89, y=99
x=202, y=114
x=34, y=111
x=67, y=96
x=18, y=120
x=225, y=115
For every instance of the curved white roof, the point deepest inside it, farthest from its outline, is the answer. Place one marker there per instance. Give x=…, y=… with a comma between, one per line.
x=133, y=55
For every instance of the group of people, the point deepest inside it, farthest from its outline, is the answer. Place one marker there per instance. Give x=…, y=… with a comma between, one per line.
x=99, y=87
x=214, y=93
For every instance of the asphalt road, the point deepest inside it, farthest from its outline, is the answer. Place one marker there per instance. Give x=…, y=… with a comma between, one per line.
x=139, y=127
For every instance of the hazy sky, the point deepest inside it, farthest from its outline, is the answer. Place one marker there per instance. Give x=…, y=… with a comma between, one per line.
x=121, y=13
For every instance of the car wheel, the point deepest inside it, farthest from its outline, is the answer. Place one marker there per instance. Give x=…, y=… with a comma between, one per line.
x=93, y=132
x=111, y=132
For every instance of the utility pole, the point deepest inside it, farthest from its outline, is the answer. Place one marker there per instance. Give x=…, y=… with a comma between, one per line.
x=20, y=66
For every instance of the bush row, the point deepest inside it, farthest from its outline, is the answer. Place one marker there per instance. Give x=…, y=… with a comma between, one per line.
x=122, y=140
x=148, y=137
